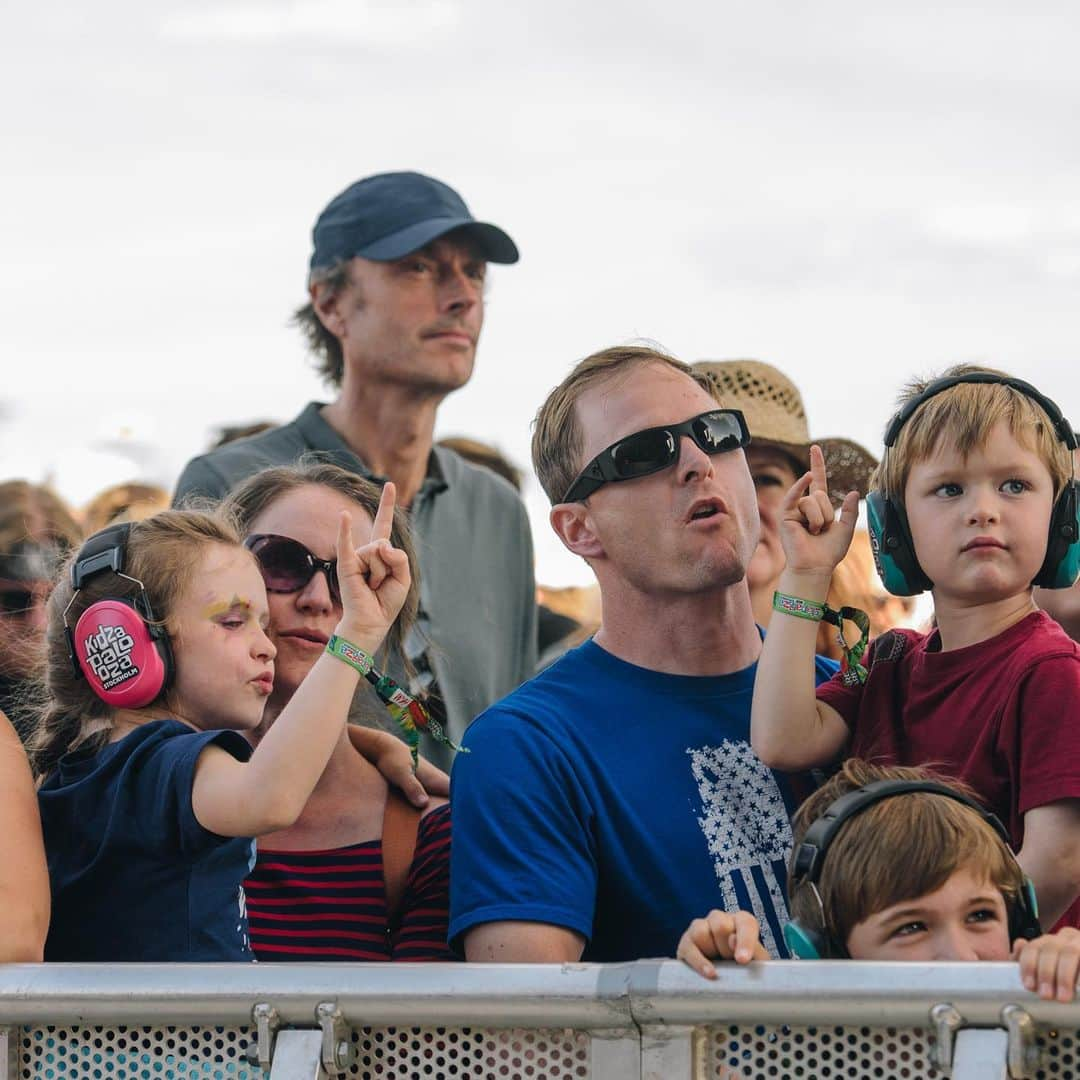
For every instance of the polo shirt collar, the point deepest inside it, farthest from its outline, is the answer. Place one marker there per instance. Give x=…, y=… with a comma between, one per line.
x=320, y=436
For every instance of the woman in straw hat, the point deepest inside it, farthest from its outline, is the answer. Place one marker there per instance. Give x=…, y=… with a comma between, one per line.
x=778, y=455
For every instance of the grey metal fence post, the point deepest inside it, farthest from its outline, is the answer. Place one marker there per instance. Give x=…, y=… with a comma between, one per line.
x=298, y=1055
x=9, y=1053
x=615, y=1054
x=980, y=1054
x=668, y=1051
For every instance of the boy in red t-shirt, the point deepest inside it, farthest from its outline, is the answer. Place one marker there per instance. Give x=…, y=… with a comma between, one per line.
x=974, y=499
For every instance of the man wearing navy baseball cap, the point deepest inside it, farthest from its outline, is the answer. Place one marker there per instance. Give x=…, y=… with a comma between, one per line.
x=396, y=304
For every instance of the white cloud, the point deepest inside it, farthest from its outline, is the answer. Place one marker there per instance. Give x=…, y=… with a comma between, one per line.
x=397, y=23
x=983, y=223
x=1064, y=264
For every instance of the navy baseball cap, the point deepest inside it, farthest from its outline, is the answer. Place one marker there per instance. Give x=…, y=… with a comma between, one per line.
x=389, y=215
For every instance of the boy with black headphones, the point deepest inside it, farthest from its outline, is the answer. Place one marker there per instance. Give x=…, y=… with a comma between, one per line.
x=900, y=864
x=974, y=499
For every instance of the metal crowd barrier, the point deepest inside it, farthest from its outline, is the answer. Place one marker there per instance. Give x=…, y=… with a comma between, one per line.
x=651, y=1020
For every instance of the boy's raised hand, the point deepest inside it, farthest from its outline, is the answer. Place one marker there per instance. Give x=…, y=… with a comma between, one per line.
x=814, y=539
x=374, y=579
x=724, y=936
x=1049, y=965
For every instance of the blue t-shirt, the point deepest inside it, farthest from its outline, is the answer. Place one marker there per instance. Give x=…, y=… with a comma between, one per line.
x=621, y=803
x=134, y=875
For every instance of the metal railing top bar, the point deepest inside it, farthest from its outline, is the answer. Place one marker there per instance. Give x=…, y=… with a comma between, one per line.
x=582, y=996
x=815, y=992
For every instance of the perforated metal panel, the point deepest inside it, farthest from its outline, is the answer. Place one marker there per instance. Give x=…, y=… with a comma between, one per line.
x=1059, y=1053
x=137, y=1053
x=446, y=1053
x=206, y=1053
x=733, y=1053
x=750, y=1053
x=754, y=1053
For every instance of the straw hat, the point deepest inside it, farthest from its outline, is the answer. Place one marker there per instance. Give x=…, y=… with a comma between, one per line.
x=774, y=414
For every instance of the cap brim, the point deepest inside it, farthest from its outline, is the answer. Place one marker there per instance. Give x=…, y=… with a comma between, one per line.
x=494, y=244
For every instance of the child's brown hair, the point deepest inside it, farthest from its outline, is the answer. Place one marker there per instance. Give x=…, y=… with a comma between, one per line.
x=963, y=416
x=162, y=552
x=895, y=850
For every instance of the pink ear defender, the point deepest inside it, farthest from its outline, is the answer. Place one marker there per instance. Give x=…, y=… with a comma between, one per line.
x=116, y=645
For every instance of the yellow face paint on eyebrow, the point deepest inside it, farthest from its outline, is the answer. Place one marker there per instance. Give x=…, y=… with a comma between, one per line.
x=222, y=607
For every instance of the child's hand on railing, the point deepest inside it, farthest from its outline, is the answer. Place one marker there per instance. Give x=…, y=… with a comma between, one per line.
x=723, y=936
x=1049, y=965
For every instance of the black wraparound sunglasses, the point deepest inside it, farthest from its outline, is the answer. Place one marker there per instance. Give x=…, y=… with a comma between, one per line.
x=656, y=448
x=287, y=566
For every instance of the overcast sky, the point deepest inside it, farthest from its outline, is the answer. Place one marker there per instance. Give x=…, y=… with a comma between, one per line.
x=854, y=194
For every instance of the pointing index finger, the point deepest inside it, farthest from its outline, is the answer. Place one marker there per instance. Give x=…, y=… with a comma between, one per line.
x=384, y=517
x=819, y=480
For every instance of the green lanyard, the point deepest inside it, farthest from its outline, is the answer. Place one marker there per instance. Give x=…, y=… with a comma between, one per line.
x=852, y=671
x=410, y=715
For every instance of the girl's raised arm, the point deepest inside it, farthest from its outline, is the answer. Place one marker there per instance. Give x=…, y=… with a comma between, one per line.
x=267, y=793
x=24, y=877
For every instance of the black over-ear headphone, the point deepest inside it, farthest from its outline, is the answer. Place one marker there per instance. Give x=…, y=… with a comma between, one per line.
x=117, y=645
x=811, y=943
x=890, y=536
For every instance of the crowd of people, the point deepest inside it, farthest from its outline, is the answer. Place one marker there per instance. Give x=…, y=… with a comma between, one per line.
x=246, y=705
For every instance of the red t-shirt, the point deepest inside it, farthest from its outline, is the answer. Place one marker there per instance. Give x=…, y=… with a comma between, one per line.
x=1003, y=715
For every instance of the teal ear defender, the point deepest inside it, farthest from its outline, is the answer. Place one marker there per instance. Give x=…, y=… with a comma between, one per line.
x=890, y=538
x=816, y=943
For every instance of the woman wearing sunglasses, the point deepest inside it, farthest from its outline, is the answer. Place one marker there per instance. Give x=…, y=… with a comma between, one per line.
x=361, y=875
x=36, y=529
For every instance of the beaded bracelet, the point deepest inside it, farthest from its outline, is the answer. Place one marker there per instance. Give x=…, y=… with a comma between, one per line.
x=852, y=671
x=410, y=715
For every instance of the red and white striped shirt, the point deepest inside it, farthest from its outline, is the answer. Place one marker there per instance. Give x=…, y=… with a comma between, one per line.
x=331, y=905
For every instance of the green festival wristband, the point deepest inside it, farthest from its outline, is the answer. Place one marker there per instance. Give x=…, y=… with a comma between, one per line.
x=352, y=654
x=410, y=715
x=814, y=610
x=852, y=671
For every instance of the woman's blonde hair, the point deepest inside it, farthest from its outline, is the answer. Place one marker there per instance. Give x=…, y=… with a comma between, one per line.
x=895, y=850
x=963, y=417
x=163, y=553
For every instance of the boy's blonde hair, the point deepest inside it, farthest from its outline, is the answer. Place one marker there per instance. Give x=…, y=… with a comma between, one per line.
x=895, y=850
x=963, y=417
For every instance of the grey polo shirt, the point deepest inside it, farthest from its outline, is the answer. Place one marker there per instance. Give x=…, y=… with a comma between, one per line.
x=473, y=544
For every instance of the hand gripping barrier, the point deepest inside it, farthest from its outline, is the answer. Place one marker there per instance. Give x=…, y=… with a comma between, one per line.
x=649, y=1020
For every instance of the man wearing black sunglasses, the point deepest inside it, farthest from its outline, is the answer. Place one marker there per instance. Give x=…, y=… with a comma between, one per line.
x=608, y=795
x=396, y=289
